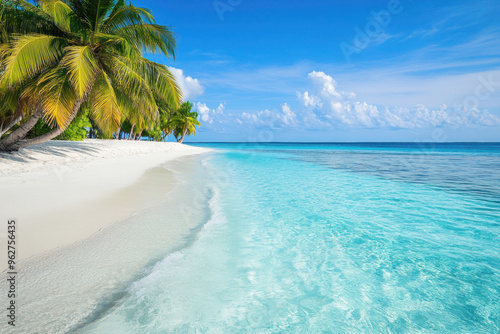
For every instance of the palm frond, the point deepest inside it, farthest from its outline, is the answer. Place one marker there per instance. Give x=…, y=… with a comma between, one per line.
x=8, y=103
x=123, y=15
x=30, y=8
x=59, y=11
x=105, y=109
x=22, y=17
x=4, y=52
x=82, y=67
x=127, y=105
x=58, y=97
x=130, y=80
x=20, y=98
x=96, y=11
x=29, y=55
x=110, y=45
x=152, y=38
x=162, y=80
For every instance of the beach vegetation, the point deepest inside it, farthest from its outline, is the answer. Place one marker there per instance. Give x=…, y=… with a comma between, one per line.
x=56, y=56
x=170, y=121
x=78, y=129
x=185, y=121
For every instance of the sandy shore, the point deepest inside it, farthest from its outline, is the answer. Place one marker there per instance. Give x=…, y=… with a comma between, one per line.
x=94, y=217
x=61, y=192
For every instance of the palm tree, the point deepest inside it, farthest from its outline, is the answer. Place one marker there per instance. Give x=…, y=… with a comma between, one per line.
x=168, y=128
x=61, y=54
x=185, y=121
x=166, y=122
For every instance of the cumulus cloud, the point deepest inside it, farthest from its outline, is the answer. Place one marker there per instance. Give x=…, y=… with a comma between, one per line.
x=206, y=115
x=285, y=118
x=191, y=88
x=310, y=101
x=328, y=105
x=324, y=106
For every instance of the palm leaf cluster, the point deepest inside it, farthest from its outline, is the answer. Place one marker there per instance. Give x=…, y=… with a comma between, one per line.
x=57, y=55
x=184, y=122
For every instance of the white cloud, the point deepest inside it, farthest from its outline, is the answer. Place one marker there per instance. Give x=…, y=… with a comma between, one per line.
x=206, y=114
x=288, y=117
x=191, y=88
x=285, y=118
x=309, y=101
x=337, y=108
x=323, y=106
x=203, y=112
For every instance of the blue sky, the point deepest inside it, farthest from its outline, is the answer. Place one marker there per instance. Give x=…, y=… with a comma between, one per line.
x=404, y=70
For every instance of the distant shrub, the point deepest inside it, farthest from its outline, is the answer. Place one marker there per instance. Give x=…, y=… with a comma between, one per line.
x=76, y=131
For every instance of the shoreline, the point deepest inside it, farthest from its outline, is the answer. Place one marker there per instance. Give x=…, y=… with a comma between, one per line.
x=62, y=192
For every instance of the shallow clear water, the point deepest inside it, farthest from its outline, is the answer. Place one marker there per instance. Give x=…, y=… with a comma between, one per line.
x=359, y=238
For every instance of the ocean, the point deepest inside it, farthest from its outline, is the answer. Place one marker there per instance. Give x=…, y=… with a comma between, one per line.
x=329, y=238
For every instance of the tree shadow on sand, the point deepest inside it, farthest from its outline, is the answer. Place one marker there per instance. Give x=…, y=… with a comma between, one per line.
x=54, y=148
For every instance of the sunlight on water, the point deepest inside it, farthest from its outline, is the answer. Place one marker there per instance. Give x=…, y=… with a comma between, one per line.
x=306, y=239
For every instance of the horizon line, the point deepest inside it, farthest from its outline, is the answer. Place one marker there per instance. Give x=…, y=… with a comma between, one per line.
x=343, y=142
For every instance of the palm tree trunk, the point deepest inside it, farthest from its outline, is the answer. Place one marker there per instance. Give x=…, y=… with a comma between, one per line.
x=54, y=133
x=117, y=134
x=10, y=143
x=131, y=132
x=183, y=135
x=139, y=135
x=16, y=118
x=13, y=122
x=13, y=141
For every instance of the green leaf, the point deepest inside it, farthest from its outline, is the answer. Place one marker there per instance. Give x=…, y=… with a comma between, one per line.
x=59, y=97
x=105, y=109
x=151, y=38
x=82, y=67
x=59, y=11
x=30, y=55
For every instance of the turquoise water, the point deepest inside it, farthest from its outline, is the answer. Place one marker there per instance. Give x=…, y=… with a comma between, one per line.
x=340, y=238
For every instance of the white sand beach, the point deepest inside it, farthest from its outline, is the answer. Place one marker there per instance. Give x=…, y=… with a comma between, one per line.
x=92, y=217
x=61, y=192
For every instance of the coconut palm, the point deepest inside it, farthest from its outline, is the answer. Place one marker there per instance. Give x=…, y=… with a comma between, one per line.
x=185, y=121
x=167, y=128
x=166, y=124
x=63, y=53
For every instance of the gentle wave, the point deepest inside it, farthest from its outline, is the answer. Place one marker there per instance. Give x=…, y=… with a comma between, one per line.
x=139, y=288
